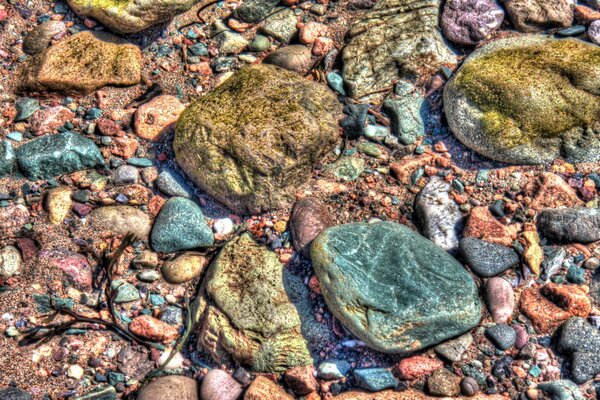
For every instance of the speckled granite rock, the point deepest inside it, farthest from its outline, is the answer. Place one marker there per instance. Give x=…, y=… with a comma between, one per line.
x=171, y=387
x=580, y=341
x=574, y=225
x=468, y=22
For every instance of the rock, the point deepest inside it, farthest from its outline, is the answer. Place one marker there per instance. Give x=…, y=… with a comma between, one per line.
x=585, y=15
x=156, y=117
x=260, y=42
x=120, y=220
x=469, y=22
x=409, y=394
x=75, y=372
x=333, y=369
x=502, y=336
x=256, y=323
x=75, y=266
x=83, y=63
x=149, y=276
x=53, y=155
x=254, y=11
x=301, y=380
x=444, y=383
x=265, y=389
x=134, y=364
x=8, y=161
x=146, y=259
x=281, y=25
x=374, y=379
x=126, y=175
x=522, y=336
x=453, y=350
x=593, y=32
x=172, y=183
x=469, y=386
x=58, y=203
x=13, y=393
x=551, y=191
x=100, y=392
x=12, y=219
x=481, y=224
x=539, y=15
x=296, y=58
x=184, y=268
x=219, y=385
x=153, y=329
x=310, y=31
x=40, y=37
x=125, y=292
x=396, y=38
x=561, y=390
x=49, y=120
x=417, y=367
x=487, y=259
x=408, y=114
x=130, y=16
x=26, y=107
x=500, y=299
x=552, y=304
x=568, y=225
x=385, y=285
x=348, y=168
x=231, y=42
x=11, y=262
x=170, y=387
x=251, y=161
x=486, y=112
x=580, y=341
x=180, y=226
x=309, y=217
x=438, y=216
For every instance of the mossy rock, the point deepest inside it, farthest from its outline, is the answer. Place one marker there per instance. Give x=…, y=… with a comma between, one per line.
x=528, y=100
x=256, y=138
x=82, y=63
x=130, y=16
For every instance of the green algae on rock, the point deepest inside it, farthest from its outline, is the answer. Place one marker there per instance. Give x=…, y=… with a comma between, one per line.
x=130, y=16
x=256, y=138
x=528, y=100
x=254, y=319
x=392, y=288
x=82, y=63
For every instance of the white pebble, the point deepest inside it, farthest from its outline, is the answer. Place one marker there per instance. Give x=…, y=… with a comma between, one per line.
x=176, y=361
x=223, y=226
x=75, y=372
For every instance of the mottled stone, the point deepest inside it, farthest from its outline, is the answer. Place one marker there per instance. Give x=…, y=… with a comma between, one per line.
x=170, y=387
x=580, y=341
x=468, y=22
x=12, y=219
x=593, y=31
x=408, y=114
x=568, y=225
x=481, y=224
x=172, y=183
x=443, y=383
x=561, y=390
x=219, y=385
x=301, y=379
x=409, y=394
x=120, y=220
x=417, y=367
x=11, y=262
x=40, y=37
x=309, y=217
x=75, y=266
x=453, y=350
x=487, y=259
x=13, y=393
x=254, y=10
x=184, y=268
x=374, y=379
x=49, y=120
x=539, y=15
x=393, y=289
x=502, y=336
x=8, y=160
x=281, y=25
x=551, y=191
x=265, y=389
x=58, y=203
x=500, y=299
x=156, y=117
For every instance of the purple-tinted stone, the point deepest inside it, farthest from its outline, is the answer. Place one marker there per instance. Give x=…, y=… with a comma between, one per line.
x=468, y=22
x=593, y=32
x=522, y=336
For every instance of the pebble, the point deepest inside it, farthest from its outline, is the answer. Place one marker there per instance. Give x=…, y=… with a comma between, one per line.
x=417, y=367
x=58, y=203
x=522, y=336
x=593, y=32
x=570, y=225
x=408, y=114
x=469, y=386
x=120, y=220
x=259, y=43
x=126, y=175
x=184, y=268
x=139, y=162
x=40, y=37
x=148, y=276
x=8, y=160
x=170, y=387
x=13, y=393
x=333, y=369
x=223, y=226
x=153, y=329
x=173, y=183
x=26, y=106
x=75, y=266
x=375, y=379
x=176, y=362
x=444, y=383
x=481, y=224
x=502, y=336
x=296, y=57
x=468, y=22
x=309, y=217
x=126, y=292
x=156, y=117
x=231, y=42
x=336, y=82
x=50, y=119
x=265, y=389
x=301, y=380
x=580, y=341
x=453, y=350
x=75, y=372
x=500, y=299
x=11, y=262
x=281, y=25
x=487, y=259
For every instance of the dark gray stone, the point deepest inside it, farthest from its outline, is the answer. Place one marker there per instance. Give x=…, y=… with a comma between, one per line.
x=581, y=225
x=487, y=259
x=173, y=183
x=254, y=10
x=581, y=342
x=502, y=336
x=12, y=393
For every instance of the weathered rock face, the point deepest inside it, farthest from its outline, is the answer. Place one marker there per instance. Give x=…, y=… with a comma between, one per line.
x=527, y=100
x=468, y=22
x=393, y=289
x=537, y=15
x=253, y=319
x=256, y=137
x=581, y=225
x=84, y=62
x=130, y=16
x=395, y=38
x=581, y=342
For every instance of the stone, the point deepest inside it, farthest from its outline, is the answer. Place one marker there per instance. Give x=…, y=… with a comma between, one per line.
x=280, y=25
x=49, y=120
x=301, y=380
x=259, y=43
x=134, y=364
x=13, y=393
x=170, y=387
x=58, y=203
x=125, y=291
x=409, y=394
x=296, y=58
x=8, y=160
x=255, y=323
x=443, y=383
x=585, y=15
x=230, y=145
x=539, y=15
x=394, y=39
x=156, y=117
x=438, y=216
x=348, y=168
x=153, y=329
x=180, y=226
x=26, y=107
x=231, y=42
x=561, y=390
x=469, y=386
x=172, y=183
x=481, y=224
x=502, y=336
x=11, y=262
x=309, y=217
x=374, y=379
x=487, y=259
x=310, y=31
x=580, y=341
x=126, y=175
x=40, y=37
x=184, y=268
x=119, y=220
x=219, y=385
x=593, y=32
x=53, y=155
x=82, y=63
x=12, y=219
x=75, y=372
x=500, y=299
x=551, y=305
x=485, y=109
x=469, y=22
x=254, y=11
x=265, y=389
x=376, y=290
x=75, y=266
x=417, y=367
x=551, y=191
x=130, y=16
x=408, y=114
x=570, y=225
x=100, y=392
x=453, y=350
x=333, y=369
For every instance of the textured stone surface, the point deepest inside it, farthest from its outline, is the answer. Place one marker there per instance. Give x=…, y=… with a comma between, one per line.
x=561, y=390
x=184, y=268
x=12, y=219
x=416, y=367
x=8, y=161
x=580, y=225
x=538, y=15
x=481, y=224
x=153, y=329
x=581, y=342
x=12, y=393
x=219, y=385
x=410, y=394
x=230, y=143
x=408, y=113
x=58, y=203
x=468, y=22
x=265, y=389
x=453, y=350
x=551, y=191
x=121, y=219
x=443, y=383
x=487, y=111
x=10, y=261
x=156, y=117
x=130, y=16
x=500, y=299
x=254, y=10
x=53, y=155
x=40, y=37
x=84, y=62
x=393, y=289
x=502, y=336
x=309, y=217
x=171, y=387
x=374, y=379
x=393, y=39
x=487, y=259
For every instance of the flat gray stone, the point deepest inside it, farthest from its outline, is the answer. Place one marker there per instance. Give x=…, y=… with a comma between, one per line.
x=579, y=225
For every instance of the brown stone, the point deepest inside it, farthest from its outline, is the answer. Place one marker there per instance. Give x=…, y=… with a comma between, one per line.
x=539, y=15
x=410, y=394
x=549, y=306
x=417, y=367
x=153, y=329
x=301, y=379
x=219, y=385
x=482, y=225
x=444, y=383
x=265, y=389
x=403, y=169
x=157, y=116
x=309, y=218
x=171, y=387
x=124, y=147
x=551, y=191
x=12, y=219
x=585, y=15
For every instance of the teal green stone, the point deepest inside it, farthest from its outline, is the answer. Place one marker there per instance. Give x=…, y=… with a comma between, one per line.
x=180, y=226
x=53, y=155
x=139, y=162
x=392, y=288
x=126, y=292
x=375, y=379
x=7, y=158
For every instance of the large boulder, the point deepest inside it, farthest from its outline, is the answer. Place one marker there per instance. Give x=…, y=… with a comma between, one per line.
x=84, y=62
x=130, y=16
x=254, y=139
x=396, y=38
x=393, y=289
x=528, y=100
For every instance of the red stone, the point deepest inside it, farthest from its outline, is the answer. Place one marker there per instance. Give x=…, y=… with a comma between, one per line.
x=151, y=328
x=482, y=225
x=417, y=367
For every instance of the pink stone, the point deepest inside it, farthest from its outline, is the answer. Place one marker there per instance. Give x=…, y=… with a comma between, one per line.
x=154, y=118
x=48, y=120
x=417, y=367
x=74, y=265
x=500, y=299
x=311, y=31
x=322, y=46
x=153, y=329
